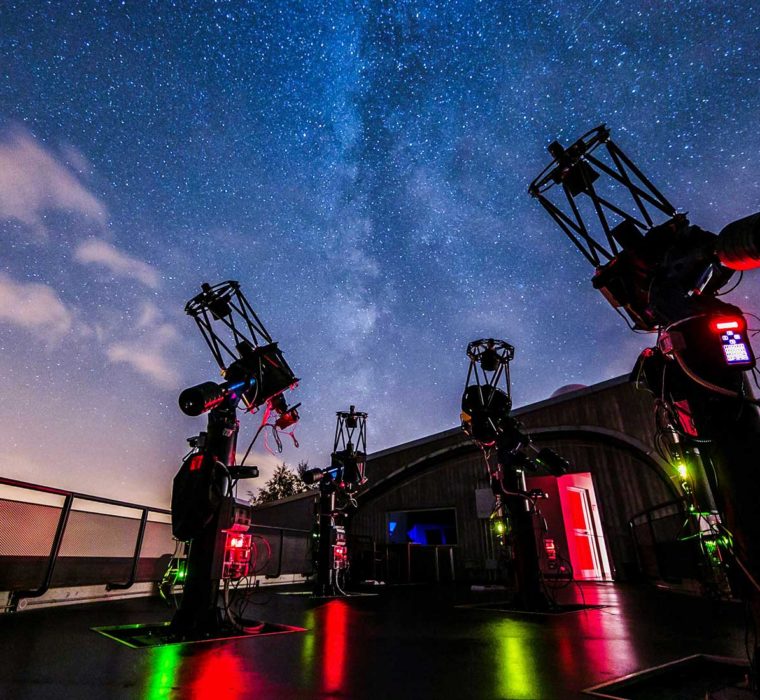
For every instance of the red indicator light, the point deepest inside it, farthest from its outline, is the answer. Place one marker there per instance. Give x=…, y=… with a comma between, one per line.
x=725, y=325
x=237, y=542
x=196, y=463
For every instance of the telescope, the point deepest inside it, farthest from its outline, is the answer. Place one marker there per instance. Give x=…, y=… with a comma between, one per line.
x=338, y=485
x=650, y=262
x=665, y=275
x=204, y=511
x=251, y=362
x=486, y=408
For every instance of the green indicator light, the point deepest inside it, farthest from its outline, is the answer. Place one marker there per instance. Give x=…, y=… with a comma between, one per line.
x=180, y=572
x=682, y=471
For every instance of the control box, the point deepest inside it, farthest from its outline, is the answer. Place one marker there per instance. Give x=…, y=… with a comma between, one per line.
x=339, y=550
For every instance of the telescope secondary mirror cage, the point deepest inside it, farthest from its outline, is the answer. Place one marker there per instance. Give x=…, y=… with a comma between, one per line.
x=486, y=404
x=349, y=454
x=575, y=170
x=251, y=362
x=348, y=458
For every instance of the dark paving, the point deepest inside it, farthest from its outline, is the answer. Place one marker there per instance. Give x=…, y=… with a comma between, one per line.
x=692, y=677
x=408, y=642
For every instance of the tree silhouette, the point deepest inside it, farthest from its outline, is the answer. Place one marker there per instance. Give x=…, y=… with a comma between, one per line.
x=283, y=483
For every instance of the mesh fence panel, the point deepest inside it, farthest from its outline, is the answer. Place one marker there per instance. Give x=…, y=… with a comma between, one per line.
x=27, y=529
x=99, y=535
x=96, y=547
x=157, y=540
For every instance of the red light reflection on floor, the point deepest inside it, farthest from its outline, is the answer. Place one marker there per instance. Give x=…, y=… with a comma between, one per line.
x=221, y=676
x=605, y=640
x=334, y=650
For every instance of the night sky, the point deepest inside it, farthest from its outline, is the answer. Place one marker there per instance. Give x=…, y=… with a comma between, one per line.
x=362, y=169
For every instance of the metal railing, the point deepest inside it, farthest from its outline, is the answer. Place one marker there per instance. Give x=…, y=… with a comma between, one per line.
x=63, y=519
x=661, y=551
x=299, y=562
x=290, y=548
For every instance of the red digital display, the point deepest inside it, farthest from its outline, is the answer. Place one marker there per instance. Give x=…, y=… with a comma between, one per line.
x=725, y=325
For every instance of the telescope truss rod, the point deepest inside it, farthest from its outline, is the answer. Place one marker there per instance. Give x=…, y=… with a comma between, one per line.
x=573, y=229
x=344, y=433
x=581, y=154
x=234, y=303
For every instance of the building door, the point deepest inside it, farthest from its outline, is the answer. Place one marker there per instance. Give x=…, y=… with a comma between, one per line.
x=583, y=528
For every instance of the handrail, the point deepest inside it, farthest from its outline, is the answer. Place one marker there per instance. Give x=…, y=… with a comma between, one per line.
x=278, y=527
x=4, y=481
x=55, y=548
x=651, y=509
x=647, y=513
x=135, y=558
x=69, y=497
x=282, y=531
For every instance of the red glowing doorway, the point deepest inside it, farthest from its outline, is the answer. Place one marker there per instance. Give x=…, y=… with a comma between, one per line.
x=574, y=528
x=586, y=545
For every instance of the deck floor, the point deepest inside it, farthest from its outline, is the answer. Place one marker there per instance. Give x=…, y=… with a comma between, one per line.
x=408, y=642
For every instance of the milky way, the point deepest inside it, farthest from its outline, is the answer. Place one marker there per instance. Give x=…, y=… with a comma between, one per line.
x=362, y=169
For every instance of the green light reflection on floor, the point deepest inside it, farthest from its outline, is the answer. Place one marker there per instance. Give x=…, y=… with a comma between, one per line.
x=307, y=648
x=165, y=662
x=516, y=666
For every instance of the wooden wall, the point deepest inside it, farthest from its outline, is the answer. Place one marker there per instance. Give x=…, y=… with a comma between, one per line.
x=454, y=469
x=444, y=470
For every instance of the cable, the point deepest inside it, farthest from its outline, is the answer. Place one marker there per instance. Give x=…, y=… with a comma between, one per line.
x=165, y=586
x=728, y=291
x=749, y=622
x=336, y=583
x=629, y=324
x=269, y=554
x=741, y=565
x=250, y=446
x=715, y=388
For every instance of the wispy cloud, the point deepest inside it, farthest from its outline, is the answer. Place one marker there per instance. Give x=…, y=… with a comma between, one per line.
x=99, y=252
x=151, y=363
x=33, y=181
x=149, y=351
x=35, y=307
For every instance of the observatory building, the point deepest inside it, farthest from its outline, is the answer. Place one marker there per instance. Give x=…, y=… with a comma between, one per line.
x=425, y=515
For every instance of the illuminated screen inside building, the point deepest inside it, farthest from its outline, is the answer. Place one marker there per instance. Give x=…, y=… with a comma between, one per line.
x=423, y=526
